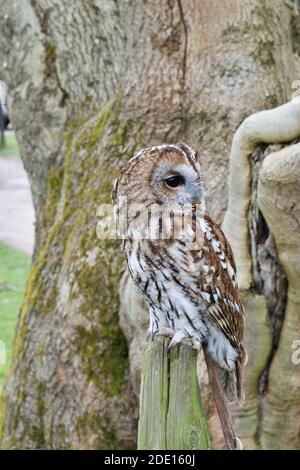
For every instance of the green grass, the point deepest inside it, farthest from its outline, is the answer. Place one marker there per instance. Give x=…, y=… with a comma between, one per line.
x=14, y=267
x=11, y=146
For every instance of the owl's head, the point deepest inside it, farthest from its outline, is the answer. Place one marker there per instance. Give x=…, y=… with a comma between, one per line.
x=166, y=175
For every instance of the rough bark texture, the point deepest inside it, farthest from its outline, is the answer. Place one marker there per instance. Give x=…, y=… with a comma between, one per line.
x=265, y=205
x=89, y=84
x=281, y=124
x=278, y=199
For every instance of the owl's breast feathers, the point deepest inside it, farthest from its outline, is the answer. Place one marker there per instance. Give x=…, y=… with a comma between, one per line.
x=175, y=276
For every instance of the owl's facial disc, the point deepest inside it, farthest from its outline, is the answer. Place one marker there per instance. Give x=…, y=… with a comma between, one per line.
x=167, y=175
x=176, y=183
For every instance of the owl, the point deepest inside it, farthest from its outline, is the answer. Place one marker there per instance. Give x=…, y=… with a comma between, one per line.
x=178, y=257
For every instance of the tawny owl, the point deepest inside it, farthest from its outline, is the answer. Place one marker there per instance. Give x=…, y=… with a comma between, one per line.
x=178, y=256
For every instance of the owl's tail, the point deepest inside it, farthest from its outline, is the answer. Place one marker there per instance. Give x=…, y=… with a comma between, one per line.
x=232, y=383
x=220, y=398
x=232, y=380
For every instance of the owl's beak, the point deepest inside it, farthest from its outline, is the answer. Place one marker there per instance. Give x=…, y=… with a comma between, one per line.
x=196, y=197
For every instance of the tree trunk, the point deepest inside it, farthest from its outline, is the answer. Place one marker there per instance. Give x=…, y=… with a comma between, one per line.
x=262, y=223
x=89, y=84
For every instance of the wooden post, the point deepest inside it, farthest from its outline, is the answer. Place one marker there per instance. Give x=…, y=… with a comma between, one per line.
x=171, y=413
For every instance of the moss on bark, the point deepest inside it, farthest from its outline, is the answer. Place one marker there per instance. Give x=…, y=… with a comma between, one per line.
x=96, y=341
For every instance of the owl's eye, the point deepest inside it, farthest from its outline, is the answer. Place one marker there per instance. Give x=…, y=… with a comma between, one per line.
x=174, y=181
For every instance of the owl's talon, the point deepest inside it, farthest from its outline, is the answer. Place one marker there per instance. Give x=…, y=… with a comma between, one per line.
x=177, y=338
x=150, y=334
x=165, y=331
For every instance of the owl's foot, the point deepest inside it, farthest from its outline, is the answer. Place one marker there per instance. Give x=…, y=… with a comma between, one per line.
x=181, y=337
x=177, y=338
x=150, y=334
x=165, y=331
x=162, y=331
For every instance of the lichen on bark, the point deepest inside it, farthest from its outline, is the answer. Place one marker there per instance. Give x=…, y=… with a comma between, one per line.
x=93, y=339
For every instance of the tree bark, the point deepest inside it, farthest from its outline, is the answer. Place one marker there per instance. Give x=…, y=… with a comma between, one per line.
x=266, y=240
x=278, y=199
x=89, y=84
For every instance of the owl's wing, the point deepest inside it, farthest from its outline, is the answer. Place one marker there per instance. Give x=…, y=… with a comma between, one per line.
x=218, y=284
